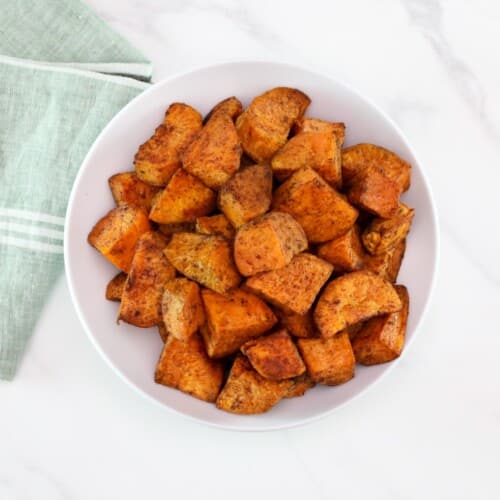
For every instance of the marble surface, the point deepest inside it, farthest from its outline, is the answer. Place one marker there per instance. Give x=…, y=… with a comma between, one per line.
x=70, y=429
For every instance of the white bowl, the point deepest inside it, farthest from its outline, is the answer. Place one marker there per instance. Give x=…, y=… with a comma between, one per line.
x=133, y=352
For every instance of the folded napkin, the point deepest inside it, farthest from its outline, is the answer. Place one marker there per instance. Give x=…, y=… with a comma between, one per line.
x=63, y=75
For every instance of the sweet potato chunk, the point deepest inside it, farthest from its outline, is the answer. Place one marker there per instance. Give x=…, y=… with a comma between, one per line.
x=182, y=309
x=159, y=157
x=163, y=332
x=387, y=264
x=306, y=124
x=204, y=258
x=352, y=298
x=216, y=224
x=293, y=287
x=176, y=227
x=232, y=320
x=300, y=385
x=383, y=234
x=116, y=234
x=323, y=213
x=232, y=106
x=128, y=189
x=357, y=158
x=264, y=126
x=115, y=287
x=299, y=325
x=372, y=191
x=268, y=243
x=183, y=200
x=346, y=252
x=186, y=366
x=274, y=356
x=381, y=339
x=246, y=392
x=247, y=194
x=150, y=270
x=328, y=361
x=214, y=154
x=317, y=150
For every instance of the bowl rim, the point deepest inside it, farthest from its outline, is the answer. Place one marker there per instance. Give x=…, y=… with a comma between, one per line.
x=143, y=95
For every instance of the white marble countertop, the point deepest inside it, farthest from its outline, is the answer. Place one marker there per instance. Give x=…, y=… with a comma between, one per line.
x=70, y=429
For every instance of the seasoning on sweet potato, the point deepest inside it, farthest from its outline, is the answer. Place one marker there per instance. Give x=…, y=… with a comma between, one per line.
x=293, y=287
x=264, y=126
x=352, y=298
x=159, y=157
x=300, y=385
x=232, y=106
x=268, y=242
x=115, y=287
x=387, y=264
x=306, y=124
x=215, y=224
x=329, y=361
x=150, y=270
x=206, y=259
x=323, y=213
x=186, y=366
x=183, y=200
x=176, y=227
x=381, y=339
x=274, y=356
x=247, y=393
x=116, y=234
x=233, y=319
x=247, y=194
x=128, y=189
x=299, y=325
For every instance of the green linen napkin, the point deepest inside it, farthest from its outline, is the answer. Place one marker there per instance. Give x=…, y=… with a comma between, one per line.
x=63, y=75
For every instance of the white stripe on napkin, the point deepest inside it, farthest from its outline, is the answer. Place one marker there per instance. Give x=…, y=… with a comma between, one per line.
x=30, y=244
x=27, y=229
x=31, y=216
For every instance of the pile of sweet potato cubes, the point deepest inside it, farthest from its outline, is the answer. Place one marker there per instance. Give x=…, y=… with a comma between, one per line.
x=264, y=252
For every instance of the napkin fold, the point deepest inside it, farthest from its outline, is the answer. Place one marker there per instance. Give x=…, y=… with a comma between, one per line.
x=63, y=75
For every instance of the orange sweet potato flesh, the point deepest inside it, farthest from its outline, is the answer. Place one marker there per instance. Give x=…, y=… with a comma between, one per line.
x=306, y=124
x=232, y=106
x=115, y=287
x=299, y=325
x=215, y=224
x=300, y=385
x=128, y=189
x=387, y=264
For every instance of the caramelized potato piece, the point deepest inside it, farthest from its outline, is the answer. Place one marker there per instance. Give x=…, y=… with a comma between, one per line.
x=300, y=385
x=387, y=264
x=274, y=356
x=268, y=243
x=214, y=154
x=203, y=258
x=232, y=320
x=299, y=325
x=357, y=158
x=183, y=200
x=163, y=332
x=116, y=234
x=128, y=189
x=294, y=287
x=317, y=150
x=323, y=213
x=247, y=194
x=159, y=157
x=381, y=339
x=383, y=234
x=247, y=393
x=215, y=224
x=352, y=298
x=176, y=227
x=186, y=366
x=182, y=309
x=264, y=126
x=329, y=361
x=232, y=106
x=306, y=124
x=115, y=287
x=150, y=270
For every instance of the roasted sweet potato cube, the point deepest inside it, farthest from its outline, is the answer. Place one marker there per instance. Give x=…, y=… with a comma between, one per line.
x=163, y=332
x=268, y=243
x=128, y=189
x=115, y=287
x=381, y=339
x=372, y=191
x=306, y=124
x=299, y=325
x=183, y=200
x=186, y=366
x=215, y=224
x=232, y=106
x=264, y=126
x=233, y=319
x=214, y=154
x=274, y=356
x=318, y=150
x=387, y=264
x=206, y=259
x=353, y=330
x=383, y=234
x=176, y=227
x=346, y=252
x=246, y=392
x=293, y=287
x=329, y=361
x=182, y=309
x=352, y=298
x=323, y=213
x=247, y=194
x=361, y=156
x=116, y=234
x=300, y=385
